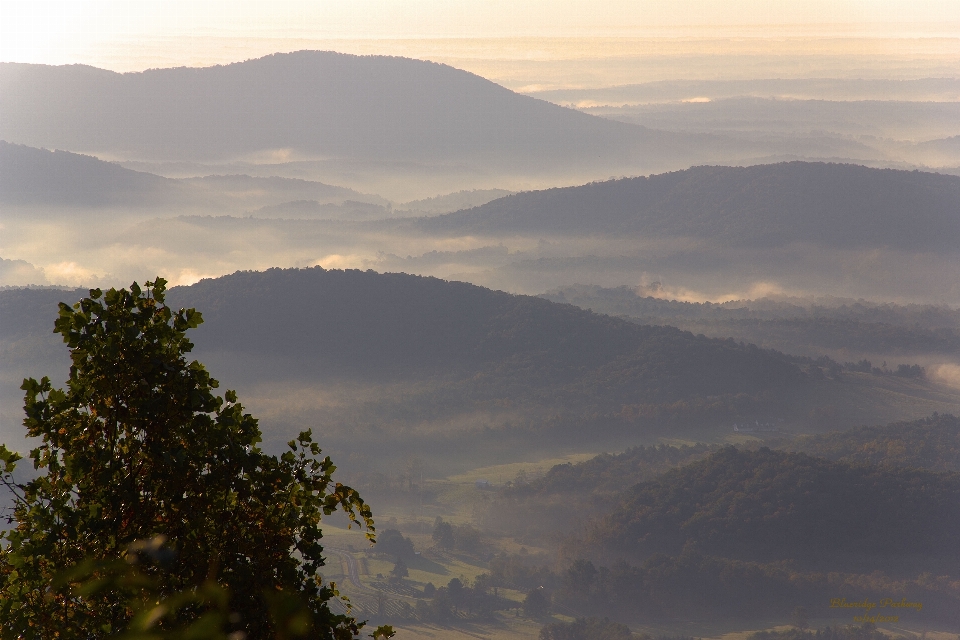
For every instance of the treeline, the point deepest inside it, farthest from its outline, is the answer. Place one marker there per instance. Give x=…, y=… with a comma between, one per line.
x=930, y=443
x=694, y=586
x=607, y=473
x=568, y=495
x=865, y=631
x=592, y=628
x=769, y=505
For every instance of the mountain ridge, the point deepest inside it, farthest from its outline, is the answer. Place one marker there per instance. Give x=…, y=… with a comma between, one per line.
x=319, y=104
x=33, y=177
x=760, y=205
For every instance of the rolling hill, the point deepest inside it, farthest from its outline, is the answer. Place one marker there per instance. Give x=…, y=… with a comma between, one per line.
x=434, y=349
x=398, y=361
x=771, y=505
x=38, y=178
x=320, y=104
x=393, y=325
x=930, y=443
x=761, y=206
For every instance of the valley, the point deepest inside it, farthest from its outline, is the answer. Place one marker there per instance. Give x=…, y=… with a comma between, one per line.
x=670, y=356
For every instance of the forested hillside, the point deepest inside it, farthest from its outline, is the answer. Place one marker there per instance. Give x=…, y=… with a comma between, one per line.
x=930, y=443
x=568, y=495
x=381, y=356
x=738, y=533
x=771, y=505
x=452, y=347
x=762, y=206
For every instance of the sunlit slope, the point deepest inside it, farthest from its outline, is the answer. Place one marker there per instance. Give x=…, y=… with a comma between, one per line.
x=315, y=105
x=831, y=205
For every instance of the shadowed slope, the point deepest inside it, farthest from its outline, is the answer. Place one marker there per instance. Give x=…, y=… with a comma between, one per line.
x=764, y=205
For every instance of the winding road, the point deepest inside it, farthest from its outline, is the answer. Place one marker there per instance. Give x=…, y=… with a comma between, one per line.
x=353, y=570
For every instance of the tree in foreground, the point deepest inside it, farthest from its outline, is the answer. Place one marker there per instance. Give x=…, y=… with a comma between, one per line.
x=137, y=447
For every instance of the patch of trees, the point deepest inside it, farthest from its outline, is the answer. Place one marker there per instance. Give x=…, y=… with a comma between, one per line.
x=930, y=443
x=865, y=631
x=766, y=505
x=457, y=537
x=902, y=370
x=692, y=585
x=392, y=543
x=687, y=586
x=671, y=587
x=591, y=628
x=460, y=600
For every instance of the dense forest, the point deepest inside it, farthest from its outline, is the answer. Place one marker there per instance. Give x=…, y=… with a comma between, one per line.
x=767, y=505
x=568, y=495
x=718, y=534
x=930, y=443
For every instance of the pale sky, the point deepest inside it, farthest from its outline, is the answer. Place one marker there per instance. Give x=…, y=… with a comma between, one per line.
x=62, y=30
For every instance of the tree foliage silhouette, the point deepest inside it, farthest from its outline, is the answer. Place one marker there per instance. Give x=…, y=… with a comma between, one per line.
x=136, y=447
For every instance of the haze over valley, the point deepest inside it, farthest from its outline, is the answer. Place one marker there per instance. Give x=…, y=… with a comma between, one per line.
x=651, y=338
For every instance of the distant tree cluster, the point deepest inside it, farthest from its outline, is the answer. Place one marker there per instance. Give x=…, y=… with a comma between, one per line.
x=462, y=537
x=459, y=600
x=866, y=631
x=667, y=588
x=586, y=629
x=902, y=370
x=391, y=542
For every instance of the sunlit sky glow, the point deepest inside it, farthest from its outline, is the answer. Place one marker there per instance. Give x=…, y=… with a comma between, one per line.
x=168, y=32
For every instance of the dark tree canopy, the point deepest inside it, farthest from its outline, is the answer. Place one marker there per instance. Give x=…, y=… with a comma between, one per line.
x=137, y=446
